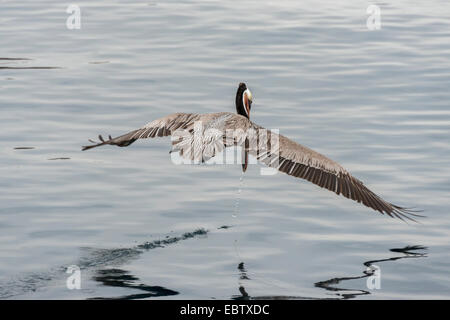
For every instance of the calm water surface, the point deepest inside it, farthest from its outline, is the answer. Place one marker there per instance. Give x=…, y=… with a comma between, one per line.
x=139, y=226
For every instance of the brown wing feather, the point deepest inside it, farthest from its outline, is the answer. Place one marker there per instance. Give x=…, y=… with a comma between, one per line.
x=299, y=161
x=158, y=128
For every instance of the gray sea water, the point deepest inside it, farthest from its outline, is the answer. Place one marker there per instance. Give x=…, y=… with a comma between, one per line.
x=138, y=226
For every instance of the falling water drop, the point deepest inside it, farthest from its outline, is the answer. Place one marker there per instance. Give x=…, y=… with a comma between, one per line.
x=238, y=196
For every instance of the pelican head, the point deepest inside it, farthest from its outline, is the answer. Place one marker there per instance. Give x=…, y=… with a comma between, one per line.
x=243, y=100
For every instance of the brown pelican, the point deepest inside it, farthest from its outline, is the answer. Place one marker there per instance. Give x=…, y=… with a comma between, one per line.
x=288, y=156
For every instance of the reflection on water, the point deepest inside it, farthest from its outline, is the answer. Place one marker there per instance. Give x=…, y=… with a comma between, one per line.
x=10, y=61
x=330, y=285
x=114, y=277
x=96, y=259
x=108, y=267
x=121, y=278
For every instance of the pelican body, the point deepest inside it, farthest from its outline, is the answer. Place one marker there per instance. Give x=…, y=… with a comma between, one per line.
x=285, y=155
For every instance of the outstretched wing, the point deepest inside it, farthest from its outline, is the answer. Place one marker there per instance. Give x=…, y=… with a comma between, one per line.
x=158, y=128
x=302, y=162
x=285, y=155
